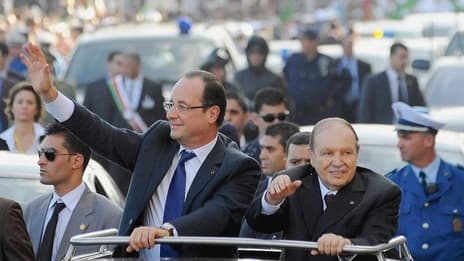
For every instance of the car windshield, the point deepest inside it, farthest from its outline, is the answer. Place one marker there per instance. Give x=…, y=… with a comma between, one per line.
x=445, y=88
x=164, y=59
x=22, y=190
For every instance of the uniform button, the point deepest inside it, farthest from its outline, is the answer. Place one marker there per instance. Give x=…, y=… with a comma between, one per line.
x=426, y=204
x=425, y=246
x=130, y=221
x=425, y=225
x=455, y=211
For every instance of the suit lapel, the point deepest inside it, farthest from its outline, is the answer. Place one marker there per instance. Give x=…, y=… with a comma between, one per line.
x=411, y=183
x=309, y=199
x=206, y=172
x=79, y=221
x=37, y=223
x=346, y=200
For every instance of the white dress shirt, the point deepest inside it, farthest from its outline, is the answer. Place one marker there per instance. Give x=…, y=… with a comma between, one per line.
x=393, y=83
x=70, y=200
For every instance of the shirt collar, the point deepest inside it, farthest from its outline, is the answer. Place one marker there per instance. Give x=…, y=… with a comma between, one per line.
x=202, y=152
x=430, y=171
x=324, y=189
x=70, y=199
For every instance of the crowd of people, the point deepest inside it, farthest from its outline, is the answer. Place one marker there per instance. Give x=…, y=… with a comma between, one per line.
x=221, y=158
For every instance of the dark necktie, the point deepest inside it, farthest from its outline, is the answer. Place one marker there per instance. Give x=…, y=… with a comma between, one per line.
x=175, y=198
x=328, y=198
x=401, y=90
x=423, y=181
x=46, y=248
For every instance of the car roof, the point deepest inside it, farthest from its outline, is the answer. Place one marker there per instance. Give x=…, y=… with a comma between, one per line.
x=11, y=162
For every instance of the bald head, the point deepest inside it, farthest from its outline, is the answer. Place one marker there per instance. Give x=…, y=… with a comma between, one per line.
x=330, y=123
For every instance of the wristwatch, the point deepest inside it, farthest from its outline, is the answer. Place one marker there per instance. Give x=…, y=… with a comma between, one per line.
x=168, y=227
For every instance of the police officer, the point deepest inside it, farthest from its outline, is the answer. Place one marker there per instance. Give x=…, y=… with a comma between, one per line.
x=310, y=78
x=432, y=206
x=216, y=63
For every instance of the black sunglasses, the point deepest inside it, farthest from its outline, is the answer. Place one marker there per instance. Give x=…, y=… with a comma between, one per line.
x=270, y=117
x=50, y=153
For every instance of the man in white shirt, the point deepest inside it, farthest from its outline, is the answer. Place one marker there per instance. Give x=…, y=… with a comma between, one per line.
x=214, y=186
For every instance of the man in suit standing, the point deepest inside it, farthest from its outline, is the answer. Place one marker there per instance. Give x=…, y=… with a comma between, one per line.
x=387, y=87
x=15, y=243
x=335, y=203
x=358, y=70
x=187, y=179
x=273, y=159
x=72, y=208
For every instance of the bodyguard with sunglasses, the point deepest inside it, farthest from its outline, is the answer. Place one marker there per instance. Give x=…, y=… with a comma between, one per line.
x=71, y=209
x=187, y=179
x=271, y=106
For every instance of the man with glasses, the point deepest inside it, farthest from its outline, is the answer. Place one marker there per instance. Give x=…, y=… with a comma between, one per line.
x=270, y=106
x=187, y=179
x=71, y=209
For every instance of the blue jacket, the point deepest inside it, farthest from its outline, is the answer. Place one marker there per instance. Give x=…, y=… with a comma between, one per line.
x=432, y=224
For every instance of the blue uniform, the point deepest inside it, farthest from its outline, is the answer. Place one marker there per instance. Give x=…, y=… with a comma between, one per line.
x=432, y=223
x=311, y=87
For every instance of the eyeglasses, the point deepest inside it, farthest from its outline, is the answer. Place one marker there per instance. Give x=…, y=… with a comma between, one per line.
x=270, y=117
x=50, y=153
x=182, y=107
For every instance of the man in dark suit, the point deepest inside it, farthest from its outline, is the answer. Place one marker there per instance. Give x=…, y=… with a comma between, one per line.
x=144, y=102
x=217, y=181
x=358, y=70
x=387, y=87
x=15, y=243
x=335, y=203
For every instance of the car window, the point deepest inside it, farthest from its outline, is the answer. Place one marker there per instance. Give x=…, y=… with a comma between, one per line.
x=30, y=189
x=445, y=87
x=456, y=45
x=164, y=59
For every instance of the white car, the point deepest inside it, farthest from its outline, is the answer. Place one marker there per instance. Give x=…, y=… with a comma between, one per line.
x=20, y=179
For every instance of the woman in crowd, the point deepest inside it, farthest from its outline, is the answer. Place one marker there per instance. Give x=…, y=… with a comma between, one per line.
x=24, y=109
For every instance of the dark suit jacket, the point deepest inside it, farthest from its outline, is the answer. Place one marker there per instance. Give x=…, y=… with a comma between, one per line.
x=15, y=243
x=365, y=211
x=6, y=87
x=3, y=145
x=375, y=103
x=217, y=199
x=98, y=99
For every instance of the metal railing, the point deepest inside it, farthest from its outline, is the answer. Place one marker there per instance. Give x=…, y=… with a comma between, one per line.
x=106, y=237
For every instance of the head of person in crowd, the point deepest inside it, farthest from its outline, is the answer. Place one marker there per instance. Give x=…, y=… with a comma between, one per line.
x=236, y=111
x=273, y=154
x=257, y=51
x=114, y=63
x=416, y=134
x=216, y=63
x=297, y=148
x=132, y=65
x=15, y=41
x=347, y=43
x=4, y=52
x=399, y=57
x=76, y=31
x=23, y=104
x=270, y=106
x=196, y=109
x=62, y=159
x=309, y=41
x=334, y=152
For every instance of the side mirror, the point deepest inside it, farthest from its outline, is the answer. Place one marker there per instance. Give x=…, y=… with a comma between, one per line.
x=421, y=64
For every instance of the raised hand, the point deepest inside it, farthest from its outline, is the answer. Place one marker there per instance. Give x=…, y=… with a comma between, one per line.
x=280, y=188
x=39, y=71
